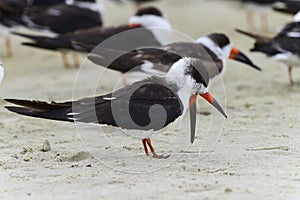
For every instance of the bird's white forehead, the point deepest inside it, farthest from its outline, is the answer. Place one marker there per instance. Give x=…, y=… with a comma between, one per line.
x=222, y=53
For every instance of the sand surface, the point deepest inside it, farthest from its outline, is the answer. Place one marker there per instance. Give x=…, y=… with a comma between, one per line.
x=254, y=154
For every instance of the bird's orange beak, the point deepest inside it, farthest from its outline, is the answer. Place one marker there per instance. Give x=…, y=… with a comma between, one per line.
x=192, y=103
x=234, y=51
x=237, y=55
x=210, y=99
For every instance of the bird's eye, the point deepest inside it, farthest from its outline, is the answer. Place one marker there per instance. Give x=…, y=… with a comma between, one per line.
x=201, y=89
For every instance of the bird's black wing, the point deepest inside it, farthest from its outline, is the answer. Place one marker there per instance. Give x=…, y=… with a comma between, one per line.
x=145, y=105
x=63, y=18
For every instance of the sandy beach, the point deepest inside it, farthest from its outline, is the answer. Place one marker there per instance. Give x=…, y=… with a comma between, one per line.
x=253, y=154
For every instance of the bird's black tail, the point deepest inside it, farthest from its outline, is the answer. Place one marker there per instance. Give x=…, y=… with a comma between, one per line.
x=40, y=109
x=44, y=42
x=252, y=35
x=262, y=43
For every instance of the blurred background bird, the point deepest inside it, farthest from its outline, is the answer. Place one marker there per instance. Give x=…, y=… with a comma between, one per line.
x=146, y=19
x=283, y=47
x=51, y=17
x=213, y=50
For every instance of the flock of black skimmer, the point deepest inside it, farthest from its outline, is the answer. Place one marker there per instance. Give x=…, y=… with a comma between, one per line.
x=169, y=74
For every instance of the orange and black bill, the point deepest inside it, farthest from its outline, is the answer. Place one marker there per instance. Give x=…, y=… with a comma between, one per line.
x=237, y=55
x=209, y=98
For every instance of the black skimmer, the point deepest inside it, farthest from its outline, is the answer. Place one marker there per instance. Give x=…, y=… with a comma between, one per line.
x=126, y=107
x=145, y=19
x=12, y=12
x=284, y=47
x=214, y=47
x=65, y=17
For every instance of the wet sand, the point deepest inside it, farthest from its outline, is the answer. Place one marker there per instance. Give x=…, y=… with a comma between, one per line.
x=254, y=156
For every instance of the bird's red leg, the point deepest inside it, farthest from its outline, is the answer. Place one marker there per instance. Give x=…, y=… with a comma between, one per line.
x=76, y=60
x=9, y=52
x=65, y=59
x=151, y=148
x=145, y=147
x=290, y=75
x=148, y=141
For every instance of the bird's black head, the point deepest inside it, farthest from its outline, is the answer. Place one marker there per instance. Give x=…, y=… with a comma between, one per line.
x=149, y=11
x=197, y=71
x=220, y=39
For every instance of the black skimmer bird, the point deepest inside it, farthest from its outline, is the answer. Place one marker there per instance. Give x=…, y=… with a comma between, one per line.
x=284, y=47
x=65, y=17
x=214, y=47
x=127, y=107
x=146, y=19
x=10, y=15
x=12, y=12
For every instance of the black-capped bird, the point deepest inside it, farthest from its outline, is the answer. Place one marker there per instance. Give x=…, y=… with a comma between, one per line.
x=283, y=47
x=213, y=48
x=134, y=106
x=146, y=19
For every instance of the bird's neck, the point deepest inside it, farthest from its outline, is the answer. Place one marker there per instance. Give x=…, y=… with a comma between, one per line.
x=183, y=82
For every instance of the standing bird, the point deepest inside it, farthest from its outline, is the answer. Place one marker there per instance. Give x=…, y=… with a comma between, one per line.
x=10, y=15
x=127, y=108
x=143, y=62
x=64, y=18
x=146, y=19
x=13, y=11
x=284, y=47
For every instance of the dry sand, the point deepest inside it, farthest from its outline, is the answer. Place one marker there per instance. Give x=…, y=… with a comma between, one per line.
x=256, y=155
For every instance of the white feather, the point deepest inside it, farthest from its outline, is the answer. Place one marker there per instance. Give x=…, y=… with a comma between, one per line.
x=293, y=34
x=221, y=53
x=184, y=82
x=109, y=99
x=97, y=7
x=297, y=17
x=159, y=26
